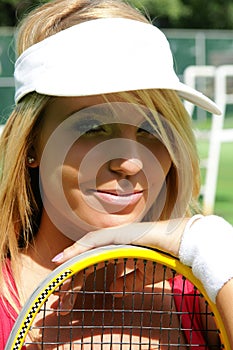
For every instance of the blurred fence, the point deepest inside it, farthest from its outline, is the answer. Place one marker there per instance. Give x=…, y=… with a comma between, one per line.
x=217, y=135
x=195, y=47
x=7, y=58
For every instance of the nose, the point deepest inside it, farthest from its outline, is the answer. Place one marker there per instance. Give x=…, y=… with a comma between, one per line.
x=128, y=166
x=129, y=161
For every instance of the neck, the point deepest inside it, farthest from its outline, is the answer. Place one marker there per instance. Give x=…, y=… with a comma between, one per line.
x=48, y=242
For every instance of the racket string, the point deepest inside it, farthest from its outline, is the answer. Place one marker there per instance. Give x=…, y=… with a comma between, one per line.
x=105, y=318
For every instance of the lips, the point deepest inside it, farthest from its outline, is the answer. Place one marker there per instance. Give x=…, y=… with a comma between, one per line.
x=118, y=198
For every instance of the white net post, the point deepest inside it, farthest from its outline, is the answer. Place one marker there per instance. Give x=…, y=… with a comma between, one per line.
x=217, y=133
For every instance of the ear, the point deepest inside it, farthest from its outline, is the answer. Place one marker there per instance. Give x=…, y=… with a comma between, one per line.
x=31, y=160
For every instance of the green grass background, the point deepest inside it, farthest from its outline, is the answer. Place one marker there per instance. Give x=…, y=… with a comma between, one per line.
x=224, y=195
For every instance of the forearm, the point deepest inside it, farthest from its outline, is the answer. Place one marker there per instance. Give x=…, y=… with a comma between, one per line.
x=224, y=302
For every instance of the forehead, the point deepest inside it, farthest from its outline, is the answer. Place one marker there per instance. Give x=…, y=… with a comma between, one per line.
x=111, y=109
x=65, y=106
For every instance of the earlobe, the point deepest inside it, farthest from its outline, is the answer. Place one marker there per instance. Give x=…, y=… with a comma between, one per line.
x=32, y=159
x=32, y=162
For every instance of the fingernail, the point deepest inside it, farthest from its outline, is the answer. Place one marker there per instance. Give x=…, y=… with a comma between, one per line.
x=66, y=305
x=58, y=257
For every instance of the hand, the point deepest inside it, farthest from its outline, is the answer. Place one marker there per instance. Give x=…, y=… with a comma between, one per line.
x=164, y=235
x=161, y=235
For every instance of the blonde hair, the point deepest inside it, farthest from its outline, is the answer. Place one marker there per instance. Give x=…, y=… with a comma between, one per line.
x=20, y=205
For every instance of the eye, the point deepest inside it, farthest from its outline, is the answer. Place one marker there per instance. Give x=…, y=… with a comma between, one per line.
x=148, y=128
x=91, y=127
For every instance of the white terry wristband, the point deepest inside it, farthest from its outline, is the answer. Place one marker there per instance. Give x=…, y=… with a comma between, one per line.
x=207, y=246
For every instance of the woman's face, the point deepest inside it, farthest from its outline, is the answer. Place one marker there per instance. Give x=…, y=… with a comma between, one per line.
x=100, y=164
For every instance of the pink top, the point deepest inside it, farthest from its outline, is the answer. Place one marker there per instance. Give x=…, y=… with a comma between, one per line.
x=186, y=301
x=7, y=319
x=7, y=314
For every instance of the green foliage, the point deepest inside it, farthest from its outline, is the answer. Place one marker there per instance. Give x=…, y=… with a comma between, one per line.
x=162, y=12
x=214, y=14
x=205, y=14
x=11, y=11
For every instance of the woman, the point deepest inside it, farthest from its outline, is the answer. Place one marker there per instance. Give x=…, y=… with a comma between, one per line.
x=99, y=138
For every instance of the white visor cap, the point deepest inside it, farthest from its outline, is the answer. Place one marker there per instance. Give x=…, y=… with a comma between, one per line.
x=102, y=56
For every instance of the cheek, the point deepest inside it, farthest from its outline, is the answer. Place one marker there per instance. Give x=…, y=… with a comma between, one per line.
x=165, y=160
x=162, y=155
x=77, y=154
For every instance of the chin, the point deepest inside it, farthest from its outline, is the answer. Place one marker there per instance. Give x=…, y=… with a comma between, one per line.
x=116, y=220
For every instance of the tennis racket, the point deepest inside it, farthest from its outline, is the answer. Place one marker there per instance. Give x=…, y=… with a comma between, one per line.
x=120, y=297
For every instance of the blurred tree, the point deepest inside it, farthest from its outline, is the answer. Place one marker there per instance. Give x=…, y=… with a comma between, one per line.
x=7, y=14
x=11, y=11
x=165, y=13
x=214, y=14
x=204, y=14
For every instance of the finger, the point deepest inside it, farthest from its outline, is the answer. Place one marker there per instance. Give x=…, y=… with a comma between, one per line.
x=68, y=294
x=70, y=252
x=136, y=275
x=128, y=283
x=151, y=272
x=91, y=240
x=94, y=239
x=125, y=276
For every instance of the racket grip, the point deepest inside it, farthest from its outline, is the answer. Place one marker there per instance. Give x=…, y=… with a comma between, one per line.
x=206, y=246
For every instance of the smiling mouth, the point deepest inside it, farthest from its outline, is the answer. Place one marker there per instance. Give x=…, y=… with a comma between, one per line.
x=118, y=198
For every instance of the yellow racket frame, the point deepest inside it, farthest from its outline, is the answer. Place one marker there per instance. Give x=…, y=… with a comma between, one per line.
x=95, y=256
